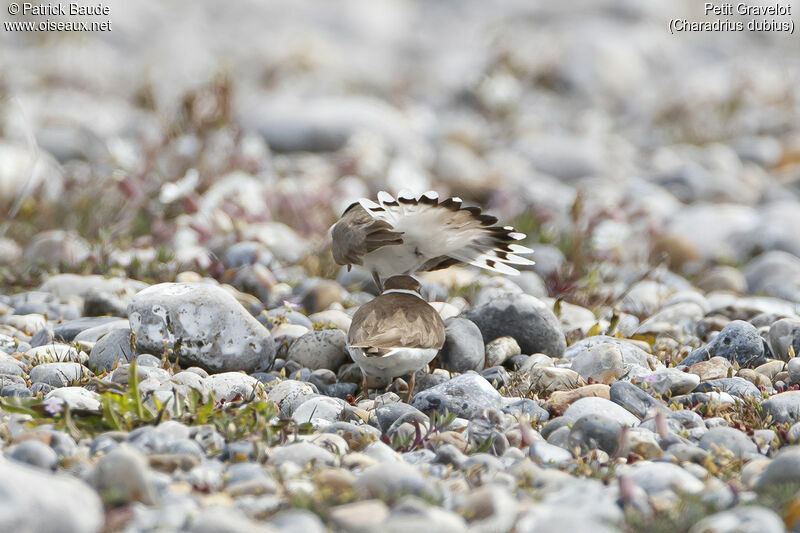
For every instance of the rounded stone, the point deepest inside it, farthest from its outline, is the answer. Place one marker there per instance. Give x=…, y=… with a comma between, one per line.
x=113, y=348
x=501, y=350
x=463, y=348
x=35, y=453
x=464, y=395
x=204, y=323
x=595, y=432
x=730, y=439
x=526, y=318
x=59, y=374
x=320, y=349
x=600, y=406
x=603, y=363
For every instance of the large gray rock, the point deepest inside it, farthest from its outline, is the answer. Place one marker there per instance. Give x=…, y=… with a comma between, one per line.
x=465, y=395
x=204, y=323
x=524, y=317
x=35, y=500
x=463, y=346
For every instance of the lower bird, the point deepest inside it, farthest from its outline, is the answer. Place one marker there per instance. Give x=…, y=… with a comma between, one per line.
x=419, y=233
x=395, y=334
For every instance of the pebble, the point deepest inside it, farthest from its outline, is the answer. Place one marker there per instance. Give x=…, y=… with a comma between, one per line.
x=671, y=381
x=501, y=350
x=595, y=432
x=113, y=348
x=602, y=363
x=745, y=519
x=635, y=400
x=59, y=374
x=35, y=453
x=320, y=349
x=730, y=439
x=783, y=407
x=600, y=406
x=301, y=454
x=463, y=395
x=784, y=468
x=121, y=477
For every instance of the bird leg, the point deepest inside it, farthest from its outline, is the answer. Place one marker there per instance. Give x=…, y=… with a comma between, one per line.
x=411, y=381
x=364, y=388
x=377, y=280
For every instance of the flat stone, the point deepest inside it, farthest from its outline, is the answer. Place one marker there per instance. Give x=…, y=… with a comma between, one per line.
x=560, y=400
x=634, y=399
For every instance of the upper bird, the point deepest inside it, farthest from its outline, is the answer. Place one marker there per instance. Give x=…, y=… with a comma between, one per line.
x=419, y=233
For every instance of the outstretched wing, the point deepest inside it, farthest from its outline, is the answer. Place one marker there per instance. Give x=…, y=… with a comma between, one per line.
x=393, y=321
x=446, y=233
x=357, y=233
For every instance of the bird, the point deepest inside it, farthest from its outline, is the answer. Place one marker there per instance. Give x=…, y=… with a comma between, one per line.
x=395, y=334
x=417, y=233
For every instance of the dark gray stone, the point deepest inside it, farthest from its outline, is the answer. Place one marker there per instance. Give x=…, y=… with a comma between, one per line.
x=389, y=413
x=634, y=399
x=497, y=376
x=738, y=342
x=35, y=453
x=593, y=432
x=463, y=346
x=526, y=406
x=526, y=318
x=67, y=331
x=113, y=347
x=42, y=337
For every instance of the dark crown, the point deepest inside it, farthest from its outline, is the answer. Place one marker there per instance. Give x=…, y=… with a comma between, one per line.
x=402, y=283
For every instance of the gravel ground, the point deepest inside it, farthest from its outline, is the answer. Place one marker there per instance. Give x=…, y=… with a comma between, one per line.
x=172, y=324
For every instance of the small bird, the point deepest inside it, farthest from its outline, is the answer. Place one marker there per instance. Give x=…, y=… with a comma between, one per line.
x=419, y=233
x=395, y=334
